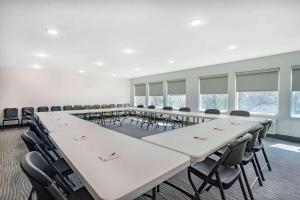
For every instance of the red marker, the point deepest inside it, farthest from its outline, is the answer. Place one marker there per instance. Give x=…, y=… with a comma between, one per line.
x=114, y=153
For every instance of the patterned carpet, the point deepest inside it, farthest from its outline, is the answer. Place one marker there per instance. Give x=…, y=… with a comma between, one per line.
x=281, y=184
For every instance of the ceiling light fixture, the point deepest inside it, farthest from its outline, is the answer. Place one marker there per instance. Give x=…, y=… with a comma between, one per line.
x=129, y=51
x=52, y=31
x=196, y=22
x=36, y=66
x=114, y=75
x=171, y=61
x=81, y=71
x=231, y=47
x=137, y=69
x=42, y=55
x=99, y=63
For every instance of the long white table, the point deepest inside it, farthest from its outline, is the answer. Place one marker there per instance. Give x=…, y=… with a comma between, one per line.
x=140, y=166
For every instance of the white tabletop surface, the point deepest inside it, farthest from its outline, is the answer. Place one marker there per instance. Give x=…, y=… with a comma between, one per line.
x=217, y=132
x=140, y=166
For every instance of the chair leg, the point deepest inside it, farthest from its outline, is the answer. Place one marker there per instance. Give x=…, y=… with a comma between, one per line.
x=266, y=159
x=256, y=172
x=243, y=188
x=30, y=195
x=247, y=182
x=220, y=186
x=259, y=167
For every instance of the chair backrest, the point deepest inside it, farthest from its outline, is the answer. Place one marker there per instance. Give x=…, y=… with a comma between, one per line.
x=67, y=107
x=87, y=107
x=78, y=107
x=127, y=105
x=27, y=111
x=55, y=108
x=97, y=106
x=34, y=127
x=119, y=105
x=112, y=105
x=254, y=132
x=140, y=106
x=32, y=142
x=235, y=151
x=167, y=108
x=43, y=109
x=185, y=109
x=151, y=107
x=40, y=174
x=212, y=111
x=10, y=112
x=105, y=106
x=264, y=131
x=240, y=113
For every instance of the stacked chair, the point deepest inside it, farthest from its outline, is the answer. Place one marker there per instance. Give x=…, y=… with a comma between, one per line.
x=27, y=113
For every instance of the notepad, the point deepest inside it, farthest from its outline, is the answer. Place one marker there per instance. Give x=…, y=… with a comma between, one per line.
x=219, y=129
x=199, y=138
x=109, y=157
x=80, y=138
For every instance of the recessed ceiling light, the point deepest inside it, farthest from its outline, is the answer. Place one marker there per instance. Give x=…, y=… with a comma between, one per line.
x=114, y=75
x=129, y=51
x=99, y=63
x=42, y=54
x=196, y=22
x=231, y=47
x=137, y=69
x=81, y=71
x=36, y=66
x=52, y=31
x=171, y=61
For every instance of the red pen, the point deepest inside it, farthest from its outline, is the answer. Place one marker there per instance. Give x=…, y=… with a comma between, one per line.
x=114, y=153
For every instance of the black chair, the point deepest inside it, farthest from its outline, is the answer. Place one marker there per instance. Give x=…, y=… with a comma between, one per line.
x=67, y=107
x=43, y=109
x=10, y=114
x=127, y=105
x=97, y=106
x=87, y=107
x=212, y=111
x=34, y=143
x=78, y=107
x=182, y=120
x=27, y=114
x=224, y=172
x=259, y=146
x=55, y=108
x=148, y=117
x=46, y=183
x=112, y=105
x=240, y=113
x=165, y=119
x=120, y=105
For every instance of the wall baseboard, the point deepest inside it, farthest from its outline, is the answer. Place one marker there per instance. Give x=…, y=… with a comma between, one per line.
x=284, y=137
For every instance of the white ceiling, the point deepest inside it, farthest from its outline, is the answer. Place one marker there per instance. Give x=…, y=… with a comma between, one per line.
x=157, y=30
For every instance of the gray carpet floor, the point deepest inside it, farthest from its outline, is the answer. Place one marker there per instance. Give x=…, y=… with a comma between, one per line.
x=282, y=183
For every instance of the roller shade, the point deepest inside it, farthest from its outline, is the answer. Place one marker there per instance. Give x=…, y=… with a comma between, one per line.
x=214, y=84
x=296, y=78
x=156, y=89
x=140, y=90
x=176, y=87
x=263, y=80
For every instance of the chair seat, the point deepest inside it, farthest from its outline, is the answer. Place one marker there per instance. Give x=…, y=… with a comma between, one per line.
x=248, y=156
x=10, y=118
x=81, y=194
x=258, y=146
x=228, y=175
x=62, y=166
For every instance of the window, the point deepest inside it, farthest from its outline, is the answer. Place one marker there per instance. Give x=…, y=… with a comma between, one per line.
x=296, y=91
x=257, y=91
x=176, y=94
x=261, y=102
x=215, y=101
x=177, y=101
x=140, y=94
x=296, y=104
x=157, y=101
x=213, y=92
x=156, y=94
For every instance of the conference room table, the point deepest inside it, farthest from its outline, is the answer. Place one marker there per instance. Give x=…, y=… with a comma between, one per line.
x=111, y=165
x=140, y=165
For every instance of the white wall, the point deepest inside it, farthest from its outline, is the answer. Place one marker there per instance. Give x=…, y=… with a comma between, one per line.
x=31, y=87
x=285, y=124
